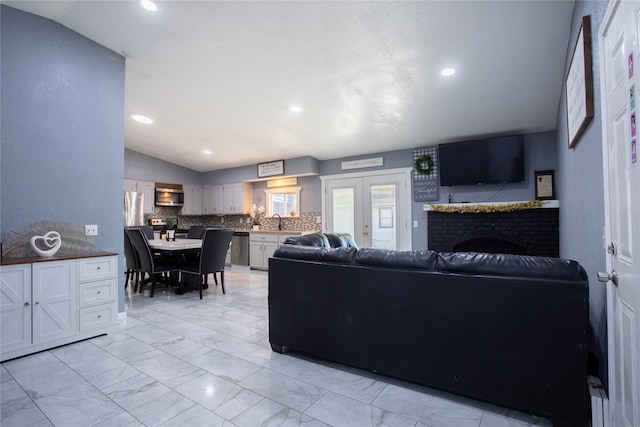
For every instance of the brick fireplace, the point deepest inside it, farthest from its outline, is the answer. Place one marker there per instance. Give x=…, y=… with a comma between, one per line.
x=522, y=232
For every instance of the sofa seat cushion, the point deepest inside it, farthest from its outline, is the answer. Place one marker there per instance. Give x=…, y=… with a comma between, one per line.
x=313, y=239
x=416, y=260
x=314, y=253
x=509, y=265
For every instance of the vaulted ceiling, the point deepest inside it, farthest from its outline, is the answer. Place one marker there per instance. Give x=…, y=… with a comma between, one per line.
x=365, y=76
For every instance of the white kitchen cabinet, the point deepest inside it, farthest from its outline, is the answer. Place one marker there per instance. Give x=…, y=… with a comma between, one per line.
x=192, y=200
x=98, y=293
x=262, y=246
x=227, y=199
x=148, y=188
x=212, y=200
x=49, y=303
x=15, y=307
x=237, y=198
x=55, y=300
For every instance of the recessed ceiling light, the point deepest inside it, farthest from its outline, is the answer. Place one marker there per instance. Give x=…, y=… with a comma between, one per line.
x=448, y=72
x=296, y=109
x=207, y=152
x=149, y=5
x=142, y=119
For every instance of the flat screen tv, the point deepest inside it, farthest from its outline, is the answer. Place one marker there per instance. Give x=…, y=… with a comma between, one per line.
x=486, y=161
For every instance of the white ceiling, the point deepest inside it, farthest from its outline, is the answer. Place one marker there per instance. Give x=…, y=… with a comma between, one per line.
x=223, y=75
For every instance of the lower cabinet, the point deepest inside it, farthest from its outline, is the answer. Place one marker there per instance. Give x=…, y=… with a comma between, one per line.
x=51, y=303
x=261, y=248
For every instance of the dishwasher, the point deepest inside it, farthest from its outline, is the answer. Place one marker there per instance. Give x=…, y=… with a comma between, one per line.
x=240, y=248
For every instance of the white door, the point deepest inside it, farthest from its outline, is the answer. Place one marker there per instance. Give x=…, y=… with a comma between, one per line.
x=15, y=307
x=372, y=208
x=619, y=81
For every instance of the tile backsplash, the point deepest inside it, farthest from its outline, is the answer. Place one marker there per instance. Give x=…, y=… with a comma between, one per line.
x=306, y=221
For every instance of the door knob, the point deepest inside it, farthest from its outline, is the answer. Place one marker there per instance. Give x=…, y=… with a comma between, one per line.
x=605, y=277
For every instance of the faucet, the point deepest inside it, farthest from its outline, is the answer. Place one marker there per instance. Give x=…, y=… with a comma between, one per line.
x=279, y=220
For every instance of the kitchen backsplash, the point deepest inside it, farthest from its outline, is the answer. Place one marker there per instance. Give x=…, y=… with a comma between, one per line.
x=307, y=221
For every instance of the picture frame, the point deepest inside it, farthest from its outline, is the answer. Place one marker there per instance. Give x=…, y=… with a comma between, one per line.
x=545, y=185
x=271, y=168
x=579, y=85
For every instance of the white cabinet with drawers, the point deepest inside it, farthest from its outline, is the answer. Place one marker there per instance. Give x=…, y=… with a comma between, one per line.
x=262, y=246
x=49, y=303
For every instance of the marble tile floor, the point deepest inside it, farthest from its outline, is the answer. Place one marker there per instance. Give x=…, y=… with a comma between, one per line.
x=177, y=360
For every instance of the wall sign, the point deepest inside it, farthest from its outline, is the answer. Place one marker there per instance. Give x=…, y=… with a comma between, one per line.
x=363, y=163
x=579, y=85
x=271, y=168
x=426, y=182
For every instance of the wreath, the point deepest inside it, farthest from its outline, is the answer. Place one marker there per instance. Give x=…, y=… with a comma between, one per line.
x=419, y=164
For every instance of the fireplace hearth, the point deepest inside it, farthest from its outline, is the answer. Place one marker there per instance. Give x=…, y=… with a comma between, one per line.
x=521, y=232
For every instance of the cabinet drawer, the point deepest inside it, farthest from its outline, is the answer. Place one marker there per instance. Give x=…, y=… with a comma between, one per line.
x=258, y=237
x=97, y=292
x=97, y=268
x=98, y=316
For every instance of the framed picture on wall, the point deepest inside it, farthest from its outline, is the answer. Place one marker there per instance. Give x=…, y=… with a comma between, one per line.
x=579, y=85
x=545, y=185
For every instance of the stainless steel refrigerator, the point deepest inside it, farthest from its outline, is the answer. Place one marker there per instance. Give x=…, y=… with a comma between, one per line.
x=133, y=208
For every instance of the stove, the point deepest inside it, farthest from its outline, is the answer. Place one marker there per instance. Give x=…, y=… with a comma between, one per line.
x=158, y=224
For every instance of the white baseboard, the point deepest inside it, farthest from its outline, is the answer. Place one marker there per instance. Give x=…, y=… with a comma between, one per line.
x=122, y=316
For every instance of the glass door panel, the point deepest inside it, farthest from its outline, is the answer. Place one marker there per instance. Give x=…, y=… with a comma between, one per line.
x=383, y=216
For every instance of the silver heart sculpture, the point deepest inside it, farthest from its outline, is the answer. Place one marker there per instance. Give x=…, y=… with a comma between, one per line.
x=51, y=240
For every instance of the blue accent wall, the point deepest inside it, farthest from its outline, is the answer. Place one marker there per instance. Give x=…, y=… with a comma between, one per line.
x=581, y=187
x=146, y=168
x=62, y=130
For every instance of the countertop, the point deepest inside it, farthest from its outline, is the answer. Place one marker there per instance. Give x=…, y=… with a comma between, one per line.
x=298, y=232
x=29, y=260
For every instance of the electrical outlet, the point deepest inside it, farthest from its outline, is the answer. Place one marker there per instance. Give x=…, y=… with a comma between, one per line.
x=415, y=223
x=90, y=230
x=318, y=220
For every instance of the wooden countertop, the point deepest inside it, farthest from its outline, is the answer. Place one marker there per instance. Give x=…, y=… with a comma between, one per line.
x=29, y=260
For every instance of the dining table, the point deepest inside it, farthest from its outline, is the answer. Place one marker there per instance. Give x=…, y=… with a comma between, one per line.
x=179, y=250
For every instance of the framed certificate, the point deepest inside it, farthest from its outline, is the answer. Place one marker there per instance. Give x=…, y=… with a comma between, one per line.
x=545, y=185
x=271, y=168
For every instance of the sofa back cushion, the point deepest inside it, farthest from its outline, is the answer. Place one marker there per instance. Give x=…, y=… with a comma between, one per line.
x=417, y=260
x=509, y=265
x=314, y=253
x=313, y=239
x=341, y=240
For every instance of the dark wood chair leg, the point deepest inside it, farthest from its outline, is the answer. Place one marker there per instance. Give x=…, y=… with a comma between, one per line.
x=222, y=281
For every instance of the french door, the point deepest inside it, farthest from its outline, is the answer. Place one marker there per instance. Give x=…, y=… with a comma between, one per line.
x=374, y=209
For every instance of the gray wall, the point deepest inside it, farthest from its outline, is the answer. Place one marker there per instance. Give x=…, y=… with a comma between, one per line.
x=581, y=187
x=146, y=168
x=62, y=130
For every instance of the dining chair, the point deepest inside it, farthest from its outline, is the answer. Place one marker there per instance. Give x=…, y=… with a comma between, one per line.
x=215, y=243
x=195, y=232
x=147, y=262
x=131, y=259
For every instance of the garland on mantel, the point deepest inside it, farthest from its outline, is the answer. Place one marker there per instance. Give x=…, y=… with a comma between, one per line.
x=507, y=207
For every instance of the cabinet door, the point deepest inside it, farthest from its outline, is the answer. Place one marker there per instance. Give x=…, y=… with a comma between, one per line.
x=228, y=199
x=148, y=188
x=255, y=255
x=217, y=194
x=269, y=249
x=130, y=185
x=55, y=300
x=192, y=200
x=15, y=307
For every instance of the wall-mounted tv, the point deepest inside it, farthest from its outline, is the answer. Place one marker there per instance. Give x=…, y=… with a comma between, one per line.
x=485, y=161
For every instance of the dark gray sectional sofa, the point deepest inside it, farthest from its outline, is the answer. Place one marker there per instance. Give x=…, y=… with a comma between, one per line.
x=506, y=329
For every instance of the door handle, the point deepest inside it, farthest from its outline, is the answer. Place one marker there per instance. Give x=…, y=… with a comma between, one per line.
x=604, y=277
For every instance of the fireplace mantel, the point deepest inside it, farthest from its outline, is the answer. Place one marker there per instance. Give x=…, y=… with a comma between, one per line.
x=545, y=204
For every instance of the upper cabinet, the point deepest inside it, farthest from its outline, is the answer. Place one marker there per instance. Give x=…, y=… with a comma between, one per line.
x=192, y=200
x=227, y=199
x=148, y=188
